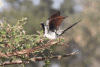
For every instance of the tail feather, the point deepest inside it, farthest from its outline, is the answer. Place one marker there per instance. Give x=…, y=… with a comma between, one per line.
x=69, y=27
x=65, y=17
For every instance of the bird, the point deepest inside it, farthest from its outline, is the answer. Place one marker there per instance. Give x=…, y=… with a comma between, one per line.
x=52, y=30
x=52, y=35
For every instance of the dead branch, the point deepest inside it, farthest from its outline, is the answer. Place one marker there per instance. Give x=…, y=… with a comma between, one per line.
x=37, y=59
x=53, y=57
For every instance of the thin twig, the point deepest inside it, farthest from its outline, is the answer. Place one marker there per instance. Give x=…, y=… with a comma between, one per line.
x=37, y=59
x=53, y=57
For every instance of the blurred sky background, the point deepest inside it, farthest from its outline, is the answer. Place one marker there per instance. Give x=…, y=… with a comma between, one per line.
x=56, y=4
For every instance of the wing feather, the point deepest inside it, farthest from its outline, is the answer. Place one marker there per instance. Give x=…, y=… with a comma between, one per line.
x=54, y=23
x=55, y=15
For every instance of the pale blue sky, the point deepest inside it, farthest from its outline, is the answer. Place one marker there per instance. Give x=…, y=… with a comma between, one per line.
x=1, y=4
x=55, y=5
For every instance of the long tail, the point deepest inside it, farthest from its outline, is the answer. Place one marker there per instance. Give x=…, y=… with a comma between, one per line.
x=69, y=27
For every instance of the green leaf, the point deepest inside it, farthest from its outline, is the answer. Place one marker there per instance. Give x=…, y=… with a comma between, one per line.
x=24, y=47
x=3, y=32
x=48, y=61
x=31, y=39
x=41, y=31
x=13, y=33
x=19, y=48
x=11, y=59
x=61, y=39
x=27, y=46
x=5, y=24
x=1, y=43
x=35, y=45
x=7, y=37
x=34, y=51
x=51, y=51
x=3, y=59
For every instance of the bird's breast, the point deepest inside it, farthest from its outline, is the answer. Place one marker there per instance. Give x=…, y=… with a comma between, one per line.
x=51, y=35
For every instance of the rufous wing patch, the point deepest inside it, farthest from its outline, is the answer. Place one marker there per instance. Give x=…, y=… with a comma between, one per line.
x=55, y=22
x=55, y=15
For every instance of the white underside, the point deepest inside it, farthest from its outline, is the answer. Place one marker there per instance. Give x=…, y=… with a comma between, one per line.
x=51, y=35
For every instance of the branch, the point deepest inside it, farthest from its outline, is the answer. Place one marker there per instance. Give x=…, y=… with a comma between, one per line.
x=25, y=51
x=37, y=59
x=13, y=62
x=53, y=57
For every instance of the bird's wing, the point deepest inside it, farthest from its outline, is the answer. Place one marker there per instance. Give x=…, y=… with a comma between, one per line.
x=54, y=23
x=55, y=15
